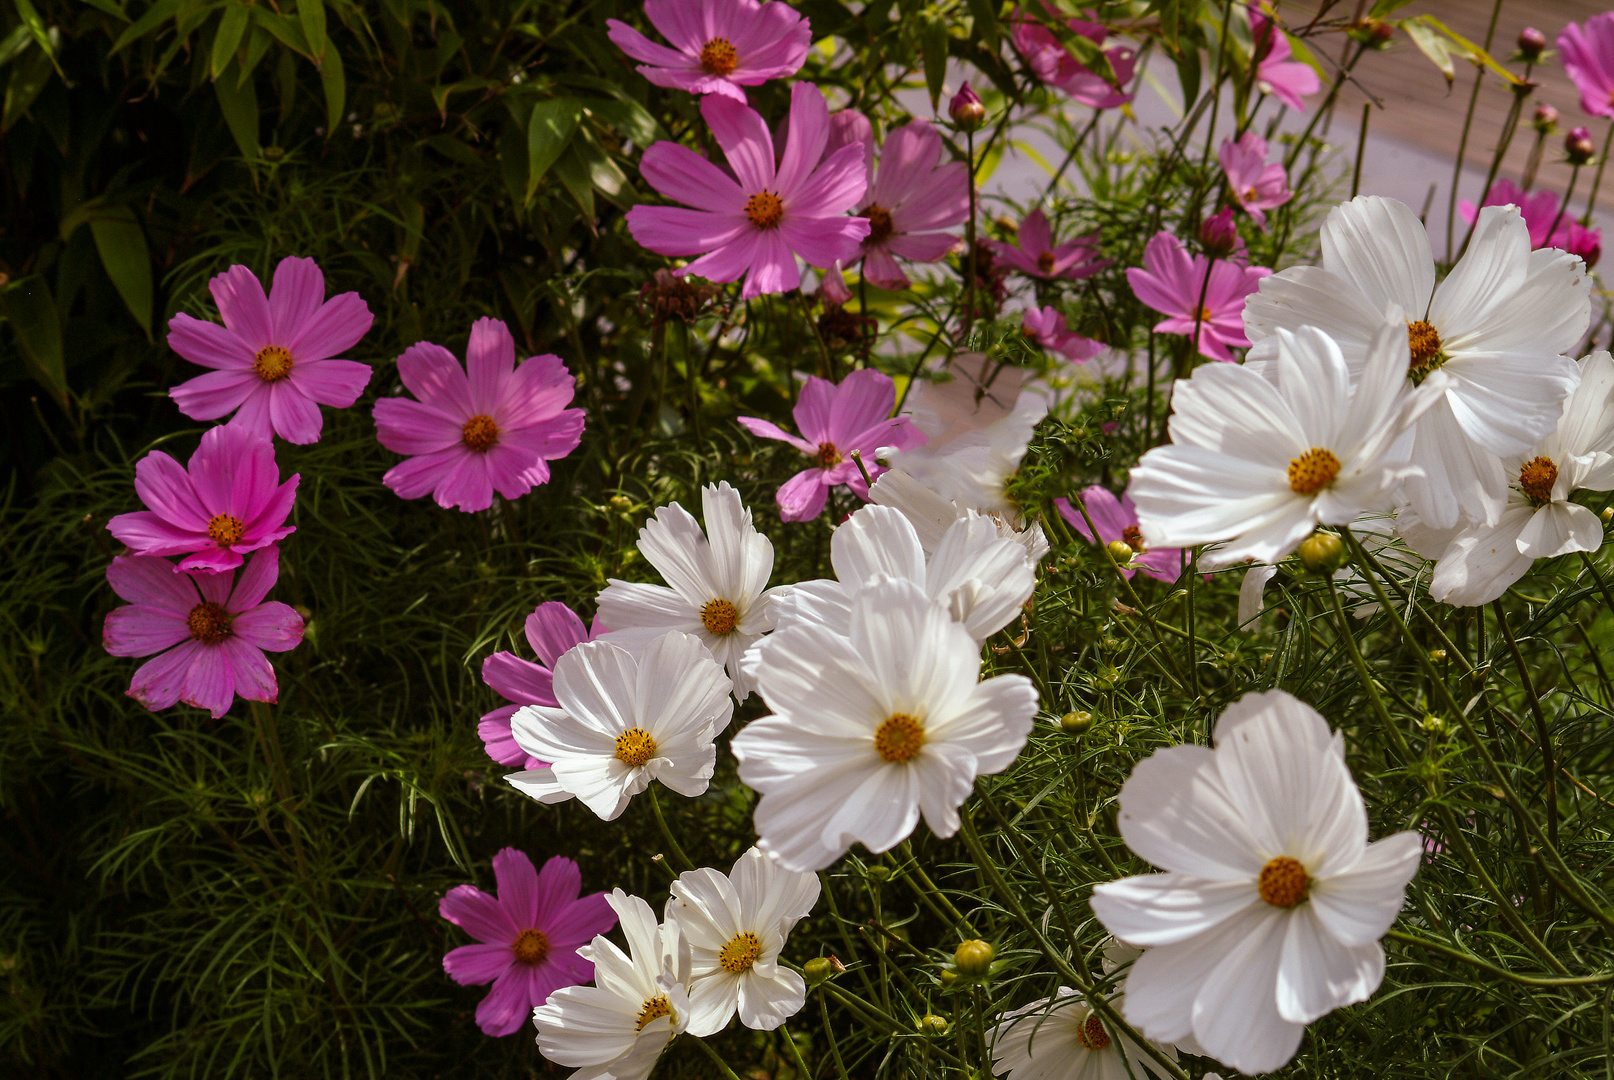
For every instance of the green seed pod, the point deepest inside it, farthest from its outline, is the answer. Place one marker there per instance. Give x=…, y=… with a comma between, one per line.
x=817, y=970
x=973, y=959
x=1323, y=553
x=931, y=1024
x=1076, y=722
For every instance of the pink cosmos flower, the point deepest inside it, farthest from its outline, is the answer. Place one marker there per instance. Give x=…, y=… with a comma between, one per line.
x=1053, y=64
x=529, y=932
x=1047, y=328
x=758, y=225
x=552, y=630
x=272, y=358
x=1540, y=210
x=1588, y=53
x=223, y=504
x=1117, y=519
x=1277, y=72
x=1036, y=255
x=1172, y=284
x=834, y=421
x=1257, y=184
x=490, y=425
x=211, y=629
x=718, y=45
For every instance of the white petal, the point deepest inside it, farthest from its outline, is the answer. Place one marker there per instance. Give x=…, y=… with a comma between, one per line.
x=1559, y=528
x=1358, y=905
x=1310, y=296
x=1492, y=270
x=767, y=1003
x=1482, y=563
x=915, y=654
x=712, y=1003
x=1163, y=982
x=983, y=578
x=993, y=722
x=1235, y=1015
x=876, y=540
x=673, y=543
x=741, y=557
x=1176, y=814
x=1251, y=593
x=1380, y=246
x=1461, y=480
x=1165, y=909
x=538, y=784
x=1317, y=974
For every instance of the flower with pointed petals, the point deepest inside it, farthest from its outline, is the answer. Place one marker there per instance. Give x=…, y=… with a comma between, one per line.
x=1047, y=328
x=1053, y=64
x=552, y=629
x=617, y=1028
x=1588, y=55
x=528, y=936
x=227, y=501
x=1035, y=254
x=212, y=630
x=1200, y=297
x=914, y=195
x=1277, y=72
x=718, y=46
x=272, y=359
x=758, y=220
x=1491, y=338
x=736, y=924
x=1257, y=184
x=1117, y=519
x=1064, y=1038
x=488, y=426
x=1273, y=901
x=932, y=515
x=1540, y=211
x=1261, y=463
x=718, y=582
x=870, y=730
x=836, y=421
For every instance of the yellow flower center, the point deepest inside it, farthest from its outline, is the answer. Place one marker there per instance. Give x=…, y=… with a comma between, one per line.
x=1536, y=480
x=272, y=363
x=764, y=209
x=225, y=530
x=1283, y=882
x=879, y=224
x=1092, y=1034
x=635, y=746
x=1312, y=471
x=480, y=433
x=740, y=953
x=531, y=947
x=1045, y=262
x=1133, y=537
x=653, y=1009
x=1424, y=341
x=208, y=623
x=900, y=738
x=719, y=617
x=827, y=457
x=718, y=57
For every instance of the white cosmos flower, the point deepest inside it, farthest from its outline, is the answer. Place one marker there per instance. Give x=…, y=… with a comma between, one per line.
x=1491, y=339
x=1273, y=902
x=624, y=720
x=1063, y=1038
x=617, y=1028
x=931, y=515
x=870, y=729
x=1261, y=463
x=1480, y=563
x=718, y=582
x=736, y=925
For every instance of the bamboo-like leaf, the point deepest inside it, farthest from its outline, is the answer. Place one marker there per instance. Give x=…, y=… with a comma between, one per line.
x=311, y=13
x=232, y=24
x=334, y=79
x=1431, y=45
x=239, y=103
x=933, y=44
x=549, y=132
x=122, y=244
x=985, y=13
x=31, y=311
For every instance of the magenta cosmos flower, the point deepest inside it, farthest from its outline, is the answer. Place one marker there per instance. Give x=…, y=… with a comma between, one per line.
x=489, y=425
x=529, y=935
x=913, y=195
x=212, y=630
x=1047, y=328
x=1277, y=72
x=223, y=504
x=1540, y=211
x=1117, y=519
x=834, y=421
x=1053, y=64
x=272, y=358
x=1173, y=284
x=1035, y=253
x=758, y=225
x=1256, y=184
x=718, y=45
x=1588, y=54
x=552, y=630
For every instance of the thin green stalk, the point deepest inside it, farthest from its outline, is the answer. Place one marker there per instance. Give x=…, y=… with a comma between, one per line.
x=802, y=1071
x=829, y=1032
x=1569, y=193
x=1597, y=177
x=684, y=861
x=1543, y=732
x=1361, y=149
x=1500, y=972
x=1602, y=585
x=717, y=1059
x=929, y=893
x=828, y=894
x=1468, y=123
x=1362, y=672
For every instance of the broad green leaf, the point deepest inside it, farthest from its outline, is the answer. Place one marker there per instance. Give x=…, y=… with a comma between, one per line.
x=934, y=46
x=257, y=44
x=1170, y=12
x=122, y=244
x=573, y=174
x=28, y=77
x=628, y=117
x=29, y=308
x=36, y=26
x=985, y=13
x=1188, y=76
x=1474, y=52
x=1431, y=45
x=150, y=19
x=110, y=7
x=312, y=15
x=607, y=178
x=1387, y=7
x=1090, y=55
x=15, y=44
x=287, y=30
x=549, y=131
x=228, y=39
x=240, y=107
x=334, y=79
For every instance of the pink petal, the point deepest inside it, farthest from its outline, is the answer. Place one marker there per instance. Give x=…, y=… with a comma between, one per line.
x=252, y=676
x=253, y=416
x=517, y=887
x=477, y=965
x=297, y=292
x=695, y=81
x=802, y=497
x=416, y=476
x=680, y=173
x=208, y=681
x=489, y=359
x=580, y=921
x=431, y=373
x=138, y=630
x=813, y=408
x=923, y=247
x=728, y=260
x=804, y=146
x=765, y=429
x=687, y=25
x=216, y=393
x=881, y=269
x=518, y=680
x=208, y=344
x=273, y=626
x=558, y=885
x=500, y=742
x=466, y=485
x=152, y=583
x=833, y=188
x=166, y=489
x=540, y=388
x=337, y=383
x=680, y=233
x=746, y=143
x=546, y=440
x=408, y=427
x=1035, y=236
x=820, y=241
x=553, y=629
x=295, y=418
x=336, y=327
x=508, y=1005
x=642, y=48
x=513, y=470
x=243, y=306
x=774, y=268
x=262, y=571
x=156, y=683
x=863, y=399
x=147, y=534
x=480, y=915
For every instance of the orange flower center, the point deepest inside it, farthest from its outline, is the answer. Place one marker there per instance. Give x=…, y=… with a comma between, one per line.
x=1424, y=341
x=653, y=1009
x=225, y=530
x=1312, y=471
x=272, y=364
x=1283, y=882
x=718, y=57
x=719, y=617
x=900, y=738
x=480, y=433
x=634, y=747
x=1133, y=536
x=879, y=224
x=1045, y=262
x=1092, y=1034
x=531, y=947
x=764, y=209
x=1536, y=480
x=740, y=953
x=827, y=457
x=208, y=623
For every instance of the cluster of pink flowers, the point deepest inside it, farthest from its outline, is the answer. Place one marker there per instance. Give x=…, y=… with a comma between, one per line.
x=1549, y=222
x=1053, y=64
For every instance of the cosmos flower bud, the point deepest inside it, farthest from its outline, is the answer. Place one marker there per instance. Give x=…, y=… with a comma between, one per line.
x=1531, y=43
x=1218, y=235
x=966, y=109
x=1578, y=146
x=931, y=1024
x=1076, y=722
x=973, y=958
x=1546, y=119
x=1323, y=553
x=1120, y=551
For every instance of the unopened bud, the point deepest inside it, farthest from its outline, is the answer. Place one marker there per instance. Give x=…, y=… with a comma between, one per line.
x=1218, y=235
x=1120, y=551
x=819, y=969
x=1546, y=119
x=1531, y=43
x=1578, y=146
x=879, y=873
x=931, y=1024
x=973, y=959
x=1608, y=515
x=621, y=503
x=1076, y=722
x=1380, y=33
x=966, y=109
x=1323, y=553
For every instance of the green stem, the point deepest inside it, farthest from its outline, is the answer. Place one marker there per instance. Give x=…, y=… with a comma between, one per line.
x=684, y=861
x=1468, y=122
x=829, y=1032
x=717, y=1059
x=1500, y=972
x=1597, y=177
x=802, y=1071
x=1543, y=732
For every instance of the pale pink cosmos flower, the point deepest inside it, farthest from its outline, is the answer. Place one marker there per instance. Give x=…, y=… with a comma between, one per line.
x=1053, y=64
x=1540, y=211
x=487, y=426
x=1588, y=55
x=225, y=502
x=1174, y=284
x=552, y=630
x=1036, y=255
x=1277, y=72
x=834, y=421
x=758, y=225
x=211, y=629
x=528, y=934
x=719, y=46
x=1117, y=519
x=1047, y=328
x=1257, y=184
x=272, y=358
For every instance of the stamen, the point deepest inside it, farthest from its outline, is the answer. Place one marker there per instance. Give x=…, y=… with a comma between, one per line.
x=1092, y=1034
x=1424, y=341
x=1536, y=480
x=225, y=530
x=1133, y=537
x=653, y=1009
x=719, y=617
x=273, y=363
x=1284, y=882
x=531, y=947
x=1045, y=262
x=900, y=738
x=1312, y=471
x=764, y=209
x=480, y=433
x=827, y=457
x=634, y=747
x=719, y=57
x=880, y=227
x=209, y=623
x=740, y=953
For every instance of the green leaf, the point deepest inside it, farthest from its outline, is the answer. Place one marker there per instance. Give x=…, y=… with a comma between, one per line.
x=1189, y=73
x=1387, y=7
x=36, y=26
x=603, y=173
x=312, y=15
x=232, y=25
x=628, y=117
x=985, y=13
x=573, y=174
x=1170, y=12
x=334, y=80
x=285, y=29
x=28, y=78
x=122, y=244
x=15, y=44
x=549, y=132
x=240, y=107
x=933, y=44
x=1431, y=45
x=1090, y=55
x=29, y=308
x=153, y=17
x=110, y=7
x=1473, y=52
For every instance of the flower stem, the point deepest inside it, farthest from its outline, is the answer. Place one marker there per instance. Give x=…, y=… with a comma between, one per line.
x=1363, y=674
x=1574, y=175
x=969, y=242
x=1549, y=777
x=678, y=855
x=1468, y=123
x=1499, y=972
x=717, y=1059
x=1597, y=177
